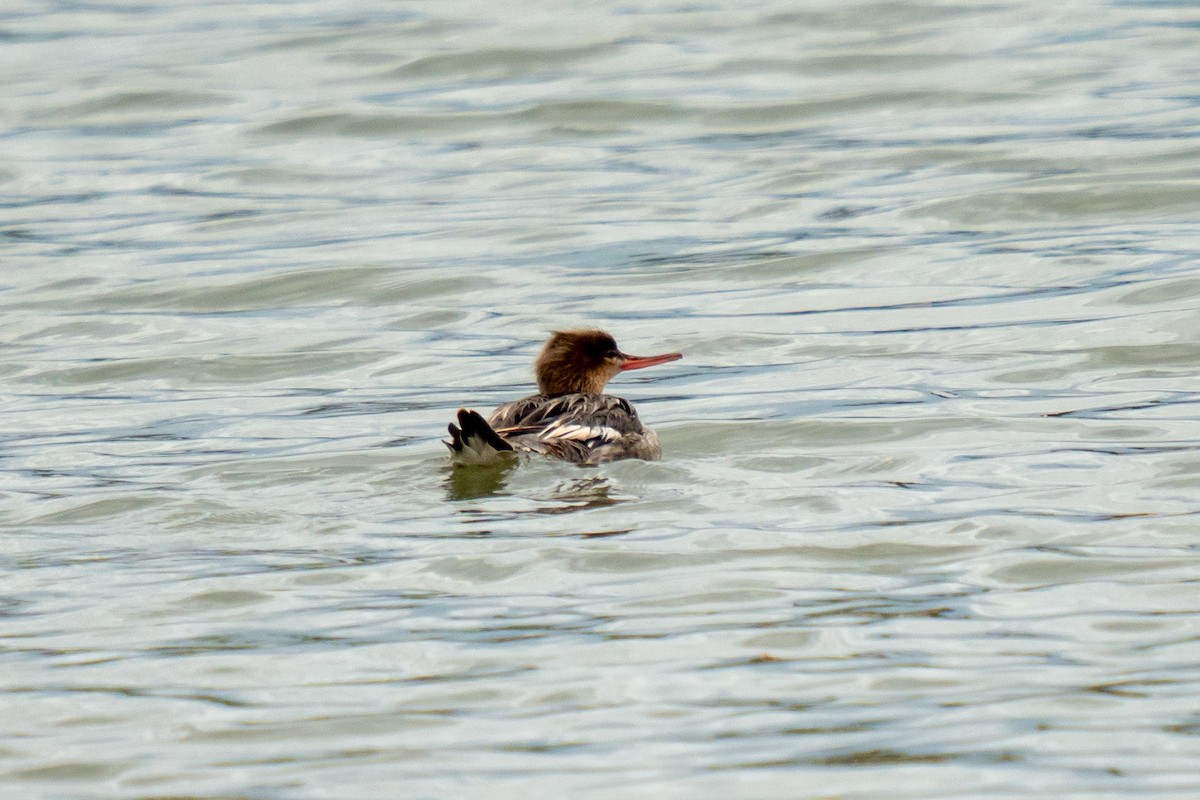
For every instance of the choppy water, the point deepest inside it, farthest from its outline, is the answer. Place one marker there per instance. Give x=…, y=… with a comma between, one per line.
x=927, y=522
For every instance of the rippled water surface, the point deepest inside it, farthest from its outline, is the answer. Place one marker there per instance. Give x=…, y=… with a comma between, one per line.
x=926, y=525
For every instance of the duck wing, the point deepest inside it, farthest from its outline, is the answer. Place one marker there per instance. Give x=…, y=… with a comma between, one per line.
x=581, y=428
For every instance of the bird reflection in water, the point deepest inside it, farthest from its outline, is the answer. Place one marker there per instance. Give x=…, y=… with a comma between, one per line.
x=478, y=482
x=580, y=494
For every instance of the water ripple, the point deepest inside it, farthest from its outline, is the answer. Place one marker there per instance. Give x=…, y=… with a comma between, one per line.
x=927, y=510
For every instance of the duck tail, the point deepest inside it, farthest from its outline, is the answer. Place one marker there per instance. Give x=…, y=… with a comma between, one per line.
x=473, y=441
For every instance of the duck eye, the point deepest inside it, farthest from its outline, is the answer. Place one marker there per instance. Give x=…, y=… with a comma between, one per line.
x=612, y=354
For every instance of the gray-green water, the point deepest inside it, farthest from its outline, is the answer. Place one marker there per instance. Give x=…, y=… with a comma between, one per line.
x=926, y=526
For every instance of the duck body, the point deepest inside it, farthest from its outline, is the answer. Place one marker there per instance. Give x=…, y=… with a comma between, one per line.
x=580, y=428
x=571, y=419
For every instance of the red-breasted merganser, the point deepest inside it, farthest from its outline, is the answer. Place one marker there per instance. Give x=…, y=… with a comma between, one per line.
x=571, y=418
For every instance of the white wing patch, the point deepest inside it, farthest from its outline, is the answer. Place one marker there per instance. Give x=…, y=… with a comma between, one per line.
x=578, y=432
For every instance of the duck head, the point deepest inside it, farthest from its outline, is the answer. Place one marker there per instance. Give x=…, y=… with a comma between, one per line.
x=584, y=361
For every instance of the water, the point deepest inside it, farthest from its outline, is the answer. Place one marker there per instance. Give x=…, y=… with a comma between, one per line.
x=925, y=525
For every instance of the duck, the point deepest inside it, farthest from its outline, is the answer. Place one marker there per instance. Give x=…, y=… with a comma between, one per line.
x=570, y=418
